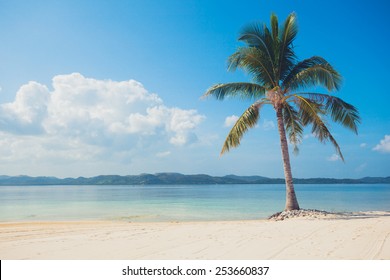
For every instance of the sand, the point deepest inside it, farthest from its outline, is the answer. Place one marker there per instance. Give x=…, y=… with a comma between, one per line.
x=355, y=237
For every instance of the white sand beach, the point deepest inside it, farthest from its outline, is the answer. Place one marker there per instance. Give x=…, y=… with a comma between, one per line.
x=363, y=237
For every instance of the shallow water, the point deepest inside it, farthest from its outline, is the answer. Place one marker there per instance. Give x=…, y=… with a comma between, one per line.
x=180, y=202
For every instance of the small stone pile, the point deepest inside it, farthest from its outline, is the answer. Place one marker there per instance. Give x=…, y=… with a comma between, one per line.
x=302, y=213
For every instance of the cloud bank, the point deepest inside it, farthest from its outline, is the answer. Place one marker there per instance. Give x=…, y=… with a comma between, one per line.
x=384, y=145
x=88, y=119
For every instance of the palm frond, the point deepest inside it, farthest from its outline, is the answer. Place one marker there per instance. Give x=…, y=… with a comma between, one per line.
x=275, y=44
x=339, y=110
x=255, y=62
x=242, y=90
x=258, y=36
x=247, y=120
x=275, y=27
x=310, y=113
x=314, y=71
x=234, y=60
x=286, y=55
x=293, y=126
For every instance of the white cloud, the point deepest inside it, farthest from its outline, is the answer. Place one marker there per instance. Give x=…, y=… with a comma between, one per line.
x=363, y=145
x=89, y=119
x=181, y=123
x=230, y=121
x=268, y=125
x=334, y=157
x=384, y=145
x=26, y=113
x=307, y=136
x=163, y=154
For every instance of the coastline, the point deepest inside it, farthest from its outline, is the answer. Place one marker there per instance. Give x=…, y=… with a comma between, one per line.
x=361, y=236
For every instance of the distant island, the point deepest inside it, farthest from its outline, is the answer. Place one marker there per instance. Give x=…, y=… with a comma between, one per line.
x=176, y=179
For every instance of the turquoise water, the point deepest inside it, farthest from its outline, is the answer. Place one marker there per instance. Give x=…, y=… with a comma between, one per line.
x=180, y=203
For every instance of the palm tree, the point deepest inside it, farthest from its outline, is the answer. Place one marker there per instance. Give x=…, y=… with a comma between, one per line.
x=282, y=81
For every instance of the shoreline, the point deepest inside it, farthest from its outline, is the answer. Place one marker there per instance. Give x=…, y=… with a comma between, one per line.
x=364, y=236
x=311, y=214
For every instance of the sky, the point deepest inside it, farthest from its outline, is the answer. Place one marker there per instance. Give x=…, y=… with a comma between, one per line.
x=114, y=87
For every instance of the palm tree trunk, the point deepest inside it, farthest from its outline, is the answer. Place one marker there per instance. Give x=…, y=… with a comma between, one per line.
x=291, y=199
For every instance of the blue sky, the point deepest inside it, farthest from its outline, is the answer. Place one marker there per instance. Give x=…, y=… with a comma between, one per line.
x=114, y=87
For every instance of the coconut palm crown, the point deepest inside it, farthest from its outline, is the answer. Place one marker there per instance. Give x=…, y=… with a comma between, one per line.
x=282, y=81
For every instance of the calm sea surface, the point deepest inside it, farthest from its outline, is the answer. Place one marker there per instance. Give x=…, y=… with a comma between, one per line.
x=179, y=203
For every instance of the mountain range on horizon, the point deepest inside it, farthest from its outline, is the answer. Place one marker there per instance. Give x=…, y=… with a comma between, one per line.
x=176, y=179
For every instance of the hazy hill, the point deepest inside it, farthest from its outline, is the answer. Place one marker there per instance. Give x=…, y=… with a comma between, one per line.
x=177, y=179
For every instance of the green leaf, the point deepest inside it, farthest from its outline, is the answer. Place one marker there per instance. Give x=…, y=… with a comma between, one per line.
x=287, y=57
x=242, y=90
x=339, y=110
x=315, y=71
x=258, y=36
x=293, y=126
x=247, y=120
x=254, y=61
x=310, y=113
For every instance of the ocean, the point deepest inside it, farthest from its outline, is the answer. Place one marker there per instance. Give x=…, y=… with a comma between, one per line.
x=151, y=203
